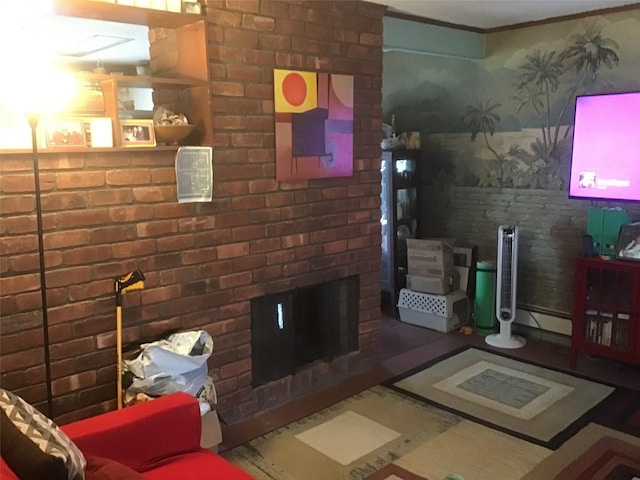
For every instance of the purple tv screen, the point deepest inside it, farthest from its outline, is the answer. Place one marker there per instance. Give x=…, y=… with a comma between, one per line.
x=605, y=163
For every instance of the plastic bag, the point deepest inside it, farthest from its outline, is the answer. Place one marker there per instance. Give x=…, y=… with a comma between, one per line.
x=177, y=364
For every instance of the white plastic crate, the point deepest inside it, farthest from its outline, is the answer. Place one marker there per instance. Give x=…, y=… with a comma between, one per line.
x=443, y=313
x=441, y=305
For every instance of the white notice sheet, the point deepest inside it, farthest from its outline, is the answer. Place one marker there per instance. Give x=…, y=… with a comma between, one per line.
x=194, y=174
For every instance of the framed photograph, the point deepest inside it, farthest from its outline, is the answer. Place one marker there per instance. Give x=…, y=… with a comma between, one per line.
x=98, y=132
x=628, y=247
x=464, y=256
x=137, y=133
x=65, y=133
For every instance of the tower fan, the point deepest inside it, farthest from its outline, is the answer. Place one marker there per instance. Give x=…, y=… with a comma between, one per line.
x=506, y=289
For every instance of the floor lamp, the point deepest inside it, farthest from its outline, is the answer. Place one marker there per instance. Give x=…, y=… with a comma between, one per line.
x=33, y=119
x=37, y=101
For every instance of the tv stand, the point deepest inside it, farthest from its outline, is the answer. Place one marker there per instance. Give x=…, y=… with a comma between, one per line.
x=606, y=310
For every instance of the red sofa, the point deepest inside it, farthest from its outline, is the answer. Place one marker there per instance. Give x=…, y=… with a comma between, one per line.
x=160, y=439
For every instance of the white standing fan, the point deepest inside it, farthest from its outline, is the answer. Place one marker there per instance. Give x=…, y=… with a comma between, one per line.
x=506, y=289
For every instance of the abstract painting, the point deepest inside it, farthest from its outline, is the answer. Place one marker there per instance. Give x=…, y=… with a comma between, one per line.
x=313, y=125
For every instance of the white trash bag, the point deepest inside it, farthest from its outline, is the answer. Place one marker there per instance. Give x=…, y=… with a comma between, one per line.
x=177, y=364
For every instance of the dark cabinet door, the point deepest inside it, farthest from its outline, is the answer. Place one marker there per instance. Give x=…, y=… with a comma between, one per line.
x=399, y=217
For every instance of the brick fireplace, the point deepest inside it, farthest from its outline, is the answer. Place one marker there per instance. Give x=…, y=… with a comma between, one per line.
x=109, y=213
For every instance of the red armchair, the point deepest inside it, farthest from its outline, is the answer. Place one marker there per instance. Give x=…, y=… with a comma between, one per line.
x=160, y=439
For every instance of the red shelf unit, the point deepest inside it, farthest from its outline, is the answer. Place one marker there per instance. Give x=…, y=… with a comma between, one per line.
x=606, y=310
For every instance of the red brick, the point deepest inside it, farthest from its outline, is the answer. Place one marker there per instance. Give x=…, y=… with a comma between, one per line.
x=200, y=255
x=17, y=204
x=262, y=186
x=134, y=249
x=128, y=177
x=154, y=194
x=66, y=239
x=29, y=301
x=296, y=240
x=248, y=262
x=22, y=359
x=73, y=382
x=17, y=225
x=224, y=17
x=83, y=255
x=17, y=184
x=232, y=250
x=63, y=201
x=25, y=263
x=235, y=280
x=112, y=234
x=134, y=213
x=177, y=242
x=98, y=198
x=18, y=284
x=83, y=218
x=161, y=294
x=243, y=73
x=196, y=224
x=156, y=229
x=75, y=180
x=90, y=290
x=163, y=175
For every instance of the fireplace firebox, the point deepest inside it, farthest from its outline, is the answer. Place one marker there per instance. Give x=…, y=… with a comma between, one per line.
x=294, y=328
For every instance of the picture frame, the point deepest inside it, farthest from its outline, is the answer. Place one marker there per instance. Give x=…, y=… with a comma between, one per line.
x=463, y=256
x=628, y=247
x=137, y=133
x=65, y=132
x=99, y=132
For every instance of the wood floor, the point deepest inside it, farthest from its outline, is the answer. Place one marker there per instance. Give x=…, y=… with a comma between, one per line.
x=406, y=346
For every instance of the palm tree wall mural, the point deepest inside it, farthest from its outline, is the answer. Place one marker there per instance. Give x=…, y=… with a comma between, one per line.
x=540, y=78
x=540, y=95
x=497, y=139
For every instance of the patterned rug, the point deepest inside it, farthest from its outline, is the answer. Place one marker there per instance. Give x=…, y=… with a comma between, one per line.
x=383, y=434
x=537, y=404
x=596, y=452
x=451, y=418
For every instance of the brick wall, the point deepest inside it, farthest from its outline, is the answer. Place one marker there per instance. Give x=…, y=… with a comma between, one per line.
x=106, y=214
x=550, y=236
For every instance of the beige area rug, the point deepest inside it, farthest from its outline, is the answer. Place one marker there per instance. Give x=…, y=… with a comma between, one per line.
x=535, y=403
x=381, y=434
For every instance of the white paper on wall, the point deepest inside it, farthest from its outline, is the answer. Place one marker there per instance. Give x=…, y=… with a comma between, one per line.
x=194, y=174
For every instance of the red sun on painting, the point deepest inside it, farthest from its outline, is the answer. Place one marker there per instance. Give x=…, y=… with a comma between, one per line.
x=294, y=89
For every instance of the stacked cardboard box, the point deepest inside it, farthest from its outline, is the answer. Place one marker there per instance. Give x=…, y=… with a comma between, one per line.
x=430, y=266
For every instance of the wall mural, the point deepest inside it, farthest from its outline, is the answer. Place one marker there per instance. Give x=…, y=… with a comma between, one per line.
x=506, y=121
x=313, y=125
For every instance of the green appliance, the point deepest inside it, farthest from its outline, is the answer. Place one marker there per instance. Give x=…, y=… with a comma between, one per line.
x=485, y=301
x=603, y=225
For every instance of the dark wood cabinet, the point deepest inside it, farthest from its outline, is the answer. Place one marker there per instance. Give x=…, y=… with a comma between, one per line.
x=606, y=310
x=399, y=217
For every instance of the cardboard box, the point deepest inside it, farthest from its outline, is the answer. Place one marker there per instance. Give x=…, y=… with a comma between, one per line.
x=430, y=256
x=433, y=284
x=211, y=433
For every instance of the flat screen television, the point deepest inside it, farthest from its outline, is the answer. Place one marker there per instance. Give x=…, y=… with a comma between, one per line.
x=605, y=162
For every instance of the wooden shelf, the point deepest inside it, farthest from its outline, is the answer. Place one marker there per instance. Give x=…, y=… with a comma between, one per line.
x=134, y=81
x=123, y=14
x=185, y=91
x=75, y=150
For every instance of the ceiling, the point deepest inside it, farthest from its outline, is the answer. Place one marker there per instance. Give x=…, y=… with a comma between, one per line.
x=489, y=14
x=72, y=40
